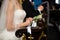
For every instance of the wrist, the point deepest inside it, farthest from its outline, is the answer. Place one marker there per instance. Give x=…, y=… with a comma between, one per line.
x=39, y=10
x=28, y=23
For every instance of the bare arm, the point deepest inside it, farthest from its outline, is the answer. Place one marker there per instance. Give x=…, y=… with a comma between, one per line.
x=28, y=22
x=9, y=18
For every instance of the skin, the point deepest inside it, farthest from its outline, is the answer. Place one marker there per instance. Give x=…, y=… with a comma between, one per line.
x=41, y=7
x=9, y=16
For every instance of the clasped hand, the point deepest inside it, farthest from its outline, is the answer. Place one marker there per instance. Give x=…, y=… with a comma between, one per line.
x=29, y=20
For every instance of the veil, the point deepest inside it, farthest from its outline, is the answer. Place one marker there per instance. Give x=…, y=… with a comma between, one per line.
x=3, y=15
x=4, y=7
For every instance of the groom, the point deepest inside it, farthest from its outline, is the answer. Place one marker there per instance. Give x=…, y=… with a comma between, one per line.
x=29, y=8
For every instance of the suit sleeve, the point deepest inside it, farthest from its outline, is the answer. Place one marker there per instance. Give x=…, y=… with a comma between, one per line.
x=29, y=8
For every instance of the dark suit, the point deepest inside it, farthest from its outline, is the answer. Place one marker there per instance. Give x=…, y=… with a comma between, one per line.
x=29, y=8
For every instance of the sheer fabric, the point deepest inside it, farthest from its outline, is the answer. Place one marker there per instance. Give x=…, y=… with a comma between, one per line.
x=3, y=15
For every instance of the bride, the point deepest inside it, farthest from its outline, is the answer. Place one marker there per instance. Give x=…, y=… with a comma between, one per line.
x=13, y=15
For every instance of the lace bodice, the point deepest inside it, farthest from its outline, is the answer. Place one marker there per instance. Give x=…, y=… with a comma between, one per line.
x=19, y=16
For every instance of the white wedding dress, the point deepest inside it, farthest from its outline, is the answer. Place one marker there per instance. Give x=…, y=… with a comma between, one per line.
x=19, y=16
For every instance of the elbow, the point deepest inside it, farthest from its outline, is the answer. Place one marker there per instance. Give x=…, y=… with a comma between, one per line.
x=9, y=28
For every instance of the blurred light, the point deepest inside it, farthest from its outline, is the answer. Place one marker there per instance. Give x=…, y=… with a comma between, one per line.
x=57, y=1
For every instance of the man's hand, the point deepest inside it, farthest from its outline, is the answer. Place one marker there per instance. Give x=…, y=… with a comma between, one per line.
x=40, y=8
